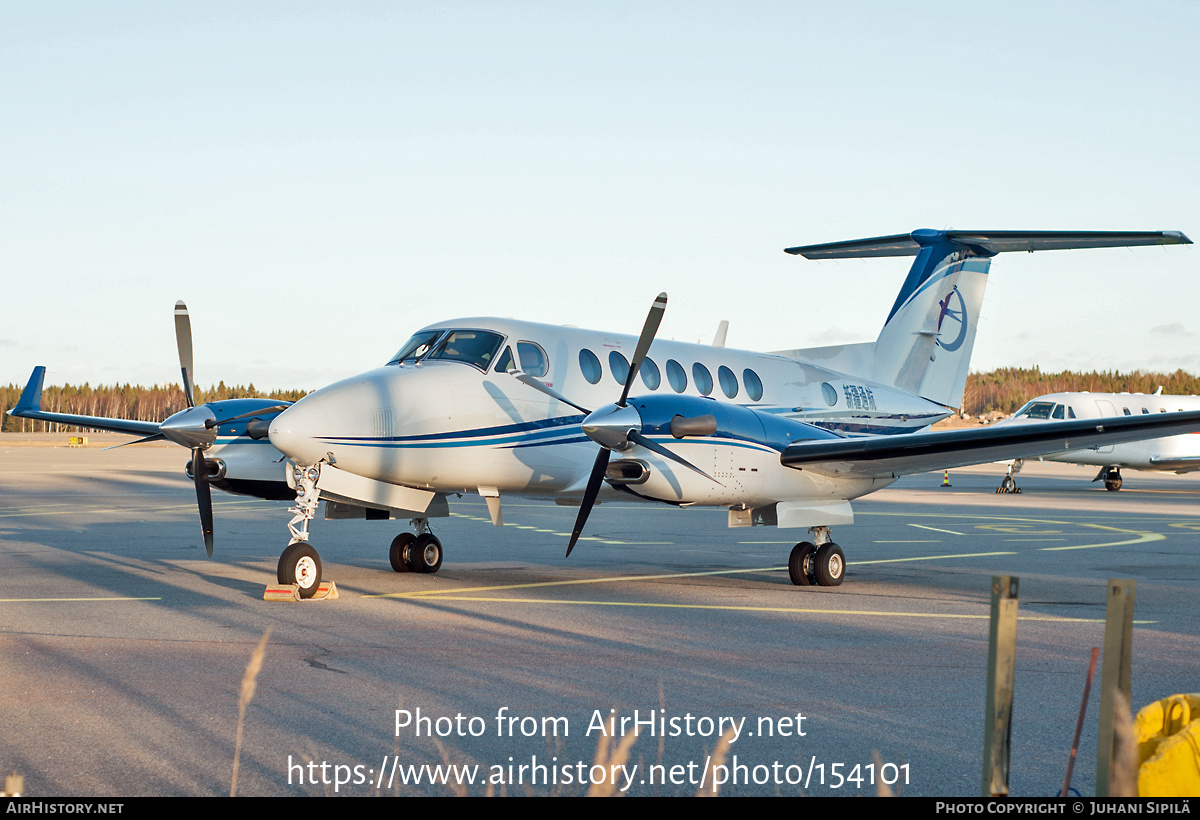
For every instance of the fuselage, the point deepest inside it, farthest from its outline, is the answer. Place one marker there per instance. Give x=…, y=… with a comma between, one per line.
x=450, y=417
x=1175, y=453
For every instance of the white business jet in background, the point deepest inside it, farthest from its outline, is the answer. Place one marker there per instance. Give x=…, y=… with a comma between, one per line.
x=1177, y=454
x=507, y=408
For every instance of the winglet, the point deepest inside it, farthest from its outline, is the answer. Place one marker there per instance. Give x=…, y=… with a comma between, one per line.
x=31, y=396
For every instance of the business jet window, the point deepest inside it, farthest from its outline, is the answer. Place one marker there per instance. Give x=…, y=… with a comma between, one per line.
x=702, y=378
x=729, y=385
x=1070, y=412
x=1036, y=410
x=828, y=393
x=533, y=358
x=676, y=376
x=416, y=347
x=590, y=366
x=1145, y=411
x=754, y=388
x=618, y=366
x=473, y=347
x=1125, y=410
x=650, y=375
x=1058, y=412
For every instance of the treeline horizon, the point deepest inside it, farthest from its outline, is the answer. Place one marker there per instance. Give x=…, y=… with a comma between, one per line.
x=1002, y=390
x=154, y=403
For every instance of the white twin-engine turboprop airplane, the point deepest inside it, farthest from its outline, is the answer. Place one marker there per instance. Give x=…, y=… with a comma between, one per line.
x=1176, y=454
x=509, y=408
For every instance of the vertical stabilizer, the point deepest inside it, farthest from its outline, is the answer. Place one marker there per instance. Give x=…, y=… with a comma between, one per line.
x=925, y=345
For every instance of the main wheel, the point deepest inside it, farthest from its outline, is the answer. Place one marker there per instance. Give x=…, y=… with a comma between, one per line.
x=800, y=564
x=425, y=554
x=1112, y=484
x=399, y=551
x=300, y=565
x=829, y=565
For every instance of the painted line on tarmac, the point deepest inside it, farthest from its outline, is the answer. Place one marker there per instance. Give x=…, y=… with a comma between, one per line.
x=935, y=529
x=795, y=610
x=48, y=600
x=103, y=510
x=1141, y=537
x=1144, y=538
x=440, y=593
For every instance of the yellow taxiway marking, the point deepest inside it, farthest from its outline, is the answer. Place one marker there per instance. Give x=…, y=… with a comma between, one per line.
x=43, y=600
x=83, y=510
x=797, y=610
x=1141, y=537
x=441, y=593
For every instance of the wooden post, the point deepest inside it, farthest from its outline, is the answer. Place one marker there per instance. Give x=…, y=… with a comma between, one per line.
x=997, y=719
x=1115, y=677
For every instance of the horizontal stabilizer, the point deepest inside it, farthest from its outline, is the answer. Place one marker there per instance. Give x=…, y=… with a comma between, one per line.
x=943, y=450
x=987, y=243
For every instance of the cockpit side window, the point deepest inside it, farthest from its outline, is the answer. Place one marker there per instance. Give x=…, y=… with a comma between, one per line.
x=416, y=347
x=1036, y=410
x=505, y=363
x=1058, y=412
x=533, y=359
x=473, y=347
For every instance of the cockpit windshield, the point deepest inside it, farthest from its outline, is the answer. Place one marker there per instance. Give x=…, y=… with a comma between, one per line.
x=477, y=347
x=1036, y=410
x=474, y=347
x=416, y=347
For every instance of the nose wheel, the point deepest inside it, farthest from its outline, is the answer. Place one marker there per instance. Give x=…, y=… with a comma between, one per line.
x=300, y=565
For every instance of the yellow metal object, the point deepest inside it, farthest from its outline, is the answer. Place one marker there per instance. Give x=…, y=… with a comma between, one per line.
x=77, y=441
x=1168, y=738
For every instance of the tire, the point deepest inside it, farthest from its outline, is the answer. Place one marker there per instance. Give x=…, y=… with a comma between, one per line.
x=284, y=557
x=302, y=567
x=829, y=565
x=399, y=551
x=1112, y=484
x=800, y=564
x=425, y=554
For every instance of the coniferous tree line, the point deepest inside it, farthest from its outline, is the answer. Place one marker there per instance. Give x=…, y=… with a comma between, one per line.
x=126, y=401
x=1003, y=390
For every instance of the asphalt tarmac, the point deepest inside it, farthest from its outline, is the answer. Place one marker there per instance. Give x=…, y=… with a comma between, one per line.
x=123, y=648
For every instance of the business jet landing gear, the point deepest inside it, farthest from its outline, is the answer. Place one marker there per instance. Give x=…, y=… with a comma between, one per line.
x=1111, y=476
x=823, y=565
x=1009, y=484
x=299, y=564
x=420, y=552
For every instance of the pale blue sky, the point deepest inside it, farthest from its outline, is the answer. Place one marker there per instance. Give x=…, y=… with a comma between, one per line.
x=318, y=180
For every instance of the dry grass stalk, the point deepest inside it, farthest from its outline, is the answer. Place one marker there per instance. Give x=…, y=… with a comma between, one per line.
x=249, y=682
x=881, y=789
x=718, y=759
x=459, y=789
x=608, y=757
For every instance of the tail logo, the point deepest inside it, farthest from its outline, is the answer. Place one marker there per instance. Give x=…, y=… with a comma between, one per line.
x=954, y=309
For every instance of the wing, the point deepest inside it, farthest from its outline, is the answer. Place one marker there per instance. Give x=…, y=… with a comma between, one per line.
x=920, y=452
x=29, y=406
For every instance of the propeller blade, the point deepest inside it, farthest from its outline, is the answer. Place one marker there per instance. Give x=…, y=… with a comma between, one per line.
x=211, y=423
x=589, y=495
x=183, y=340
x=654, y=446
x=649, y=330
x=525, y=378
x=203, y=498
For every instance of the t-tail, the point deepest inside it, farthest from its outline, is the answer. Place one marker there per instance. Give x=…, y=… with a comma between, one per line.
x=925, y=345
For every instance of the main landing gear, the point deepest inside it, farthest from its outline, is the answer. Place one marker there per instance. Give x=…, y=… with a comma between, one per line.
x=823, y=565
x=421, y=552
x=1111, y=477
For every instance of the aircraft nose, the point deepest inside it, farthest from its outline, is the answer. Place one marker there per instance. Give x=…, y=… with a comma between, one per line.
x=299, y=431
